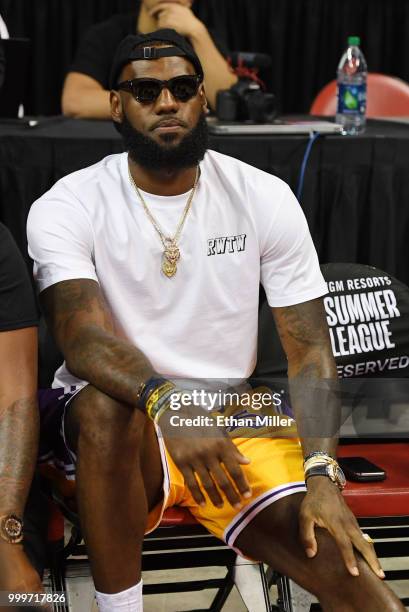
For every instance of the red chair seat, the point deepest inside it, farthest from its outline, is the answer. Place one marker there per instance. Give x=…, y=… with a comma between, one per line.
x=177, y=516
x=389, y=497
x=388, y=96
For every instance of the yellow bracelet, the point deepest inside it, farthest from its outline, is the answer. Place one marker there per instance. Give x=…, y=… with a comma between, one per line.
x=156, y=395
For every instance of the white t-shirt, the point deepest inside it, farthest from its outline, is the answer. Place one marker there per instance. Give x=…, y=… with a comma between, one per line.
x=244, y=226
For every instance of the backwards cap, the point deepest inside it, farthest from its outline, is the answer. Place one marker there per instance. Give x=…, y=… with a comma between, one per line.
x=131, y=49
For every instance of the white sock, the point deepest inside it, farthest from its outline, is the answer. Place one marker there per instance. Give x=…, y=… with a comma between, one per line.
x=129, y=600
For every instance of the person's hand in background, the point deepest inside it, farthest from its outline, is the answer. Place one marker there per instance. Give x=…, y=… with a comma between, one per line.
x=177, y=16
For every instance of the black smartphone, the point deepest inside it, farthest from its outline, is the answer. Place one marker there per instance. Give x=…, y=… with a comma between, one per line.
x=360, y=469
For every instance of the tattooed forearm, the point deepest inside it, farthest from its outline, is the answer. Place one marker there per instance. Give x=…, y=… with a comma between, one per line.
x=83, y=327
x=315, y=400
x=312, y=374
x=304, y=332
x=65, y=302
x=109, y=363
x=18, y=452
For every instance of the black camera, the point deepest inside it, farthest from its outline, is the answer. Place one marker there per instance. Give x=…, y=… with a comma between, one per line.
x=246, y=100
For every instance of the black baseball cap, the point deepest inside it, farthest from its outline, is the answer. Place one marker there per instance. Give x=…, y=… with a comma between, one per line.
x=131, y=49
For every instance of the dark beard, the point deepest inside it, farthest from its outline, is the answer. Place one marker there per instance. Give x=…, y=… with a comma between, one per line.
x=145, y=152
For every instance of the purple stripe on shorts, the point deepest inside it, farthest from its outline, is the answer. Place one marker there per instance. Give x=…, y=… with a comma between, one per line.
x=52, y=448
x=252, y=507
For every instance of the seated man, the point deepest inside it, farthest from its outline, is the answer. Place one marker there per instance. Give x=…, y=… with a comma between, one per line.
x=85, y=92
x=18, y=413
x=148, y=264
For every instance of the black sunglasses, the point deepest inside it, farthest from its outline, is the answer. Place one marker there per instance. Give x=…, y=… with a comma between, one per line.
x=148, y=90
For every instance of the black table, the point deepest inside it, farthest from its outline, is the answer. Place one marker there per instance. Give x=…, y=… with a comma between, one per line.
x=355, y=196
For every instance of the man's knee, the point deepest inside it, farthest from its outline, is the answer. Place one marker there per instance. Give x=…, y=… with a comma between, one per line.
x=102, y=423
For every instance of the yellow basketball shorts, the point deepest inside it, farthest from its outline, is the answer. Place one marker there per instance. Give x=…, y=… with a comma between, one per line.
x=275, y=471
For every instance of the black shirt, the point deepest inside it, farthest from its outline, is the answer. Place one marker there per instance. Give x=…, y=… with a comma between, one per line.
x=98, y=46
x=17, y=303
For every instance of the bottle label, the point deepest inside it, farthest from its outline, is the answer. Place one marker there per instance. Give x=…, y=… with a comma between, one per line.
x=351, y=99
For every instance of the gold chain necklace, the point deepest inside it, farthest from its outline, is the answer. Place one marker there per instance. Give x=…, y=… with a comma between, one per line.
x=171, y=253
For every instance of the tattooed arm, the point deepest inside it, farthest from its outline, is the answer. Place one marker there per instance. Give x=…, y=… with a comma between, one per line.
x=18, y=446
x=81, y=323
x=312, y=376
x=18, y=417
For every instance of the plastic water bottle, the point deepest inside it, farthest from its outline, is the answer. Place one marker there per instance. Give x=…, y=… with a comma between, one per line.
x=351, y=88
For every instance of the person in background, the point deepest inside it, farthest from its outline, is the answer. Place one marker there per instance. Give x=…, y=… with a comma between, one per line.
x=18, y=414
x=85, y=93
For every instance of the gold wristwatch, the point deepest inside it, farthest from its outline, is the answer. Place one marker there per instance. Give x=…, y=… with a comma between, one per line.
x=11, y=528
x=331, y=470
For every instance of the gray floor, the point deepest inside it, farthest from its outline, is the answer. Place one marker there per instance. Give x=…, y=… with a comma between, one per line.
x=82, y=596
x=81, y=590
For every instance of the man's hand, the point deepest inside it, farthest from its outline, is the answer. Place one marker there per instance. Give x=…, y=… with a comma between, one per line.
x=207, y=458
x=178, y=17
x=16, y=572
x=324, y=506
x=17, y=575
